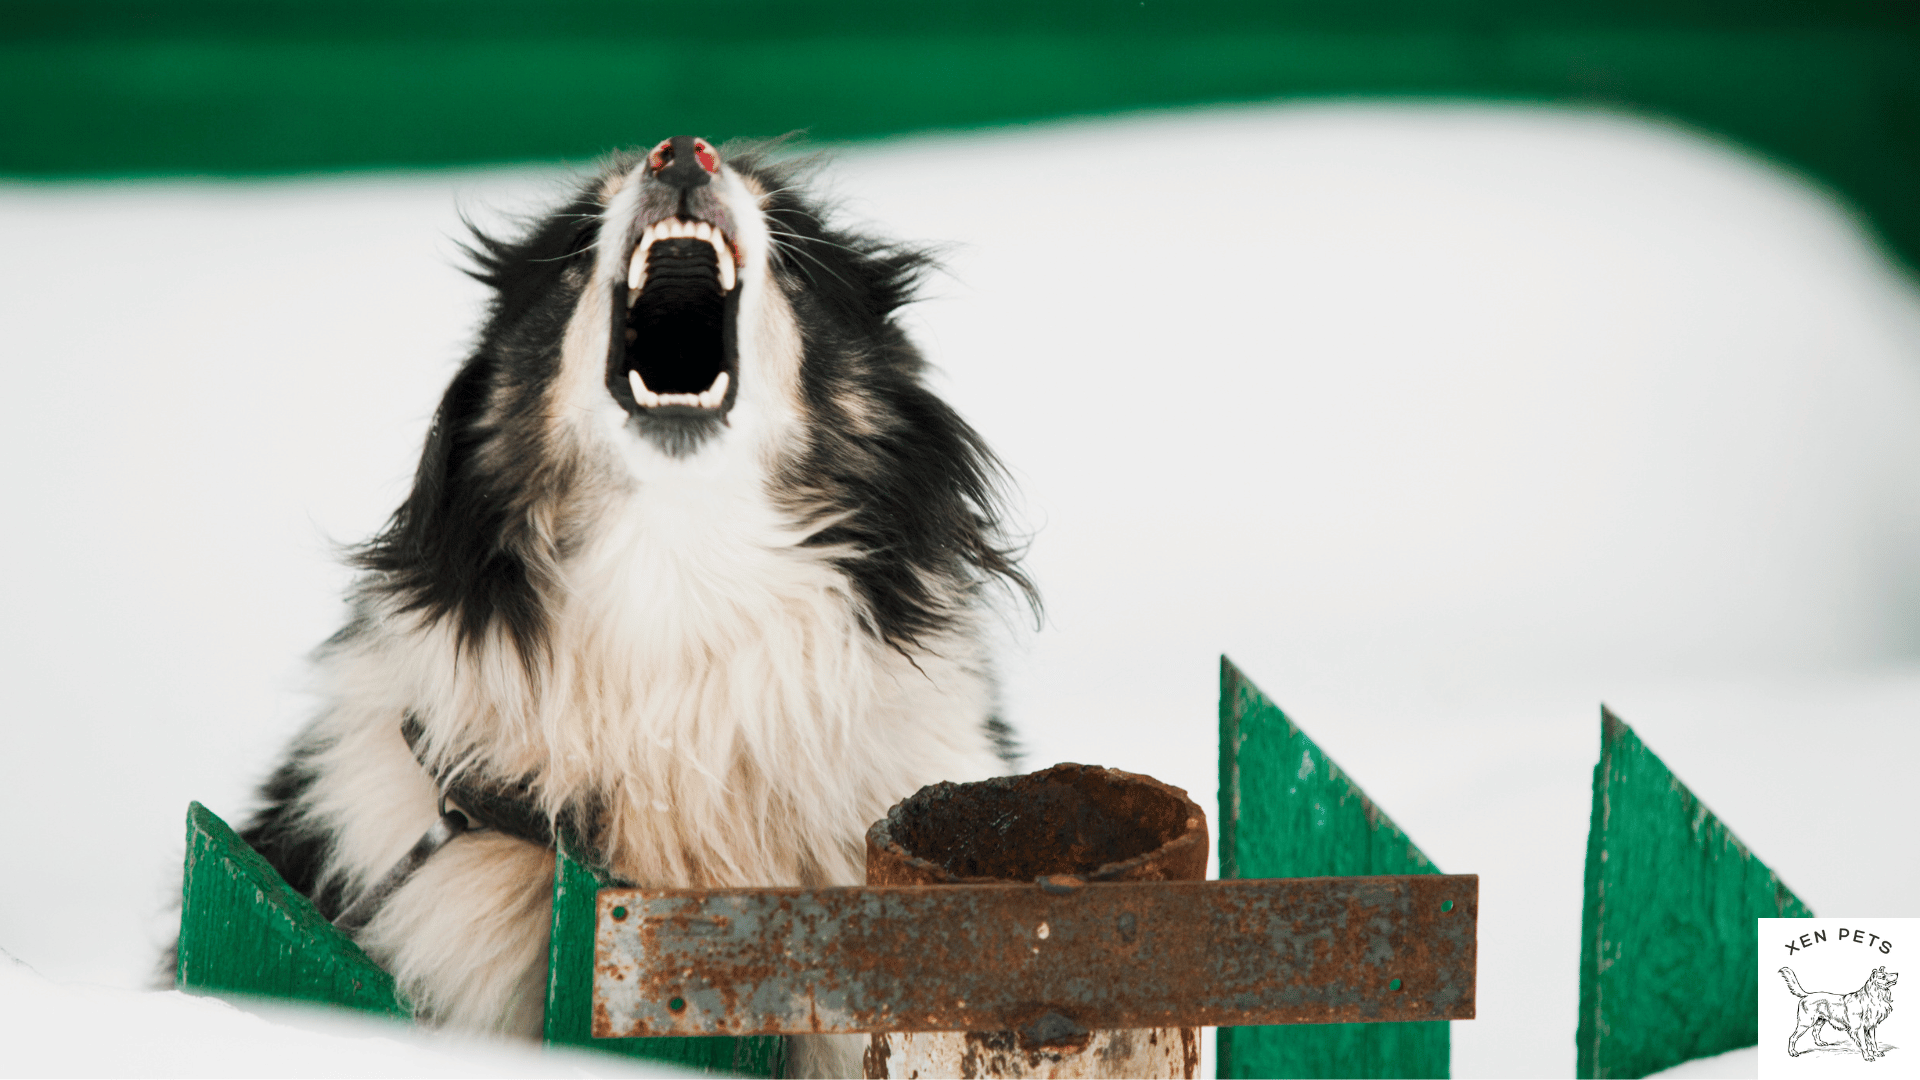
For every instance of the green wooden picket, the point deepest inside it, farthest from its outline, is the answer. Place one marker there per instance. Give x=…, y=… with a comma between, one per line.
x=570, y=991
x=244, y=930
x=1286, y=810
x=1667, y=942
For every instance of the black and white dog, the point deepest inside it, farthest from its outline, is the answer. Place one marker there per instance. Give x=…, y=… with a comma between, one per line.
x=691, y=546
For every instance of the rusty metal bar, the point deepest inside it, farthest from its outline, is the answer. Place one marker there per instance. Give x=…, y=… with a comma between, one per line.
x=1040, y=960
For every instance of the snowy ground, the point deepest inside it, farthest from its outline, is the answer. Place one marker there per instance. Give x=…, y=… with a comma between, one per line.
x=55, y=1029
x=1447, y=424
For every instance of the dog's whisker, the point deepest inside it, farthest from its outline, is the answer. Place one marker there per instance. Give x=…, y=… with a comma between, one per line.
x=792, y=248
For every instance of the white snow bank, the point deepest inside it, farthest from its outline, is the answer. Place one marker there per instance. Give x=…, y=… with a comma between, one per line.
x=1446, y=423
x=1732, y=1064
x=67, y=1030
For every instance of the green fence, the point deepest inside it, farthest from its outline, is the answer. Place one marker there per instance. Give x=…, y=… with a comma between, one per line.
x=132, y=87
x=1667, y=965
x=245, y=932
x=1286, y=810
x=1667, y=936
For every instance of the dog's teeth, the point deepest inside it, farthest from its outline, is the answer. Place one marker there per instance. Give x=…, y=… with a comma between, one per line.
x=676, y=229
x=726, y=262
x=641, y=395
x=716, y=393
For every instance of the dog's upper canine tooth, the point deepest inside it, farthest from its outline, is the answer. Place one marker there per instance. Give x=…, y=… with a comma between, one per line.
x=636, y=273
x=725, y=258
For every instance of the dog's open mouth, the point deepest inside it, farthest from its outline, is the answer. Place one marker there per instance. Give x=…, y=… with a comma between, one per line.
x=673, y=354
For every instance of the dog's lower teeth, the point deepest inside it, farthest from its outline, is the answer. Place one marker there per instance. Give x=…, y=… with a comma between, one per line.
x=710, y=398
x=641, y=395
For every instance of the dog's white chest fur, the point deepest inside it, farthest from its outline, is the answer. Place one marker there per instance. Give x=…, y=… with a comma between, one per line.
x=709, y=684
x=716, y=672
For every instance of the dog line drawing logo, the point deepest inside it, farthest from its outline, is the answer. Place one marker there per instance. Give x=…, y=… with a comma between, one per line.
x=1859, y=1014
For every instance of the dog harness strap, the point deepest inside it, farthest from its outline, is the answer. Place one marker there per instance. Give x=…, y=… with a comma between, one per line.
x=509, y=809
x=451, y=824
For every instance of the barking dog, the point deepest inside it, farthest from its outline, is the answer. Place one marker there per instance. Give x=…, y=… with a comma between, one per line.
x=693, y=560
x=1858, y=1014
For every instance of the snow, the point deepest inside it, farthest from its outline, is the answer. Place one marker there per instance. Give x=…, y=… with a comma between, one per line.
x=1446, y=423
x=1734, y=1063
x=173, y=1034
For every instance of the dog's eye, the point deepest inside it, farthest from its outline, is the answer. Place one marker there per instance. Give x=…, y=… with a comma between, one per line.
x=583, y=239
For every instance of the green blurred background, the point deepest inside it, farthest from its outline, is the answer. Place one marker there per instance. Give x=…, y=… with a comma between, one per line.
x=246, y=87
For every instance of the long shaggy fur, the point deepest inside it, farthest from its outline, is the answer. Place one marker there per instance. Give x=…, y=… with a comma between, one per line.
x=737, y=638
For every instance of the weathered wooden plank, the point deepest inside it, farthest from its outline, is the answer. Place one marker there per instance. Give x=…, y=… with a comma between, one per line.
x=1001, y=957
x=1667, y=944
x=569, y=1020
x=244, y=930
x=1286, y=810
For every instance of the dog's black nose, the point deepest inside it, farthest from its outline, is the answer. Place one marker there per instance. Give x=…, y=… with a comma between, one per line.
x=683, y=162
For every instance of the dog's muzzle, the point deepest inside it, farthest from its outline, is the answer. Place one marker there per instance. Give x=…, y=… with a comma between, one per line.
x=673, y=360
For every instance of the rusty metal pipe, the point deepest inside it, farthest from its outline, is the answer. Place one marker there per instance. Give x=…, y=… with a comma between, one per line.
x=1062, y=827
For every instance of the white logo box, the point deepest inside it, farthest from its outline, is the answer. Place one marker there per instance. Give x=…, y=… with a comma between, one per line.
x=1833, y=960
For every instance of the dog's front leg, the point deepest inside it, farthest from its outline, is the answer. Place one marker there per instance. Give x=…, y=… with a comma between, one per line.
x=1856, y=1033
x=467, y=938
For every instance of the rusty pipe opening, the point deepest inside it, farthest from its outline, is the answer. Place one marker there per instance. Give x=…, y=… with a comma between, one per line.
x=1083, y=821
x=1060, y=826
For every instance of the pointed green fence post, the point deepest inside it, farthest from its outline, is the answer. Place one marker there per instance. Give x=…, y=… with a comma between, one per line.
x=570, y=991
x=1667, y=936
x=1286, y=810
x=244, y=930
